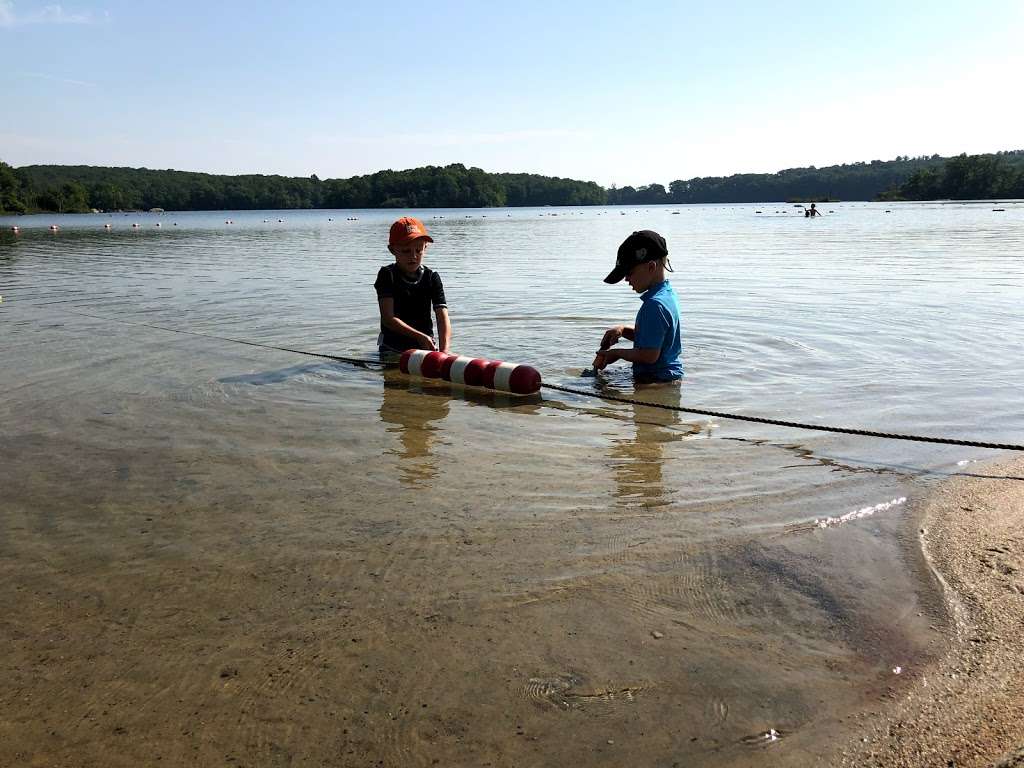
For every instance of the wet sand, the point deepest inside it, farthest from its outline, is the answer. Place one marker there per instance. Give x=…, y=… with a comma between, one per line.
x=171, y=632
x=212, y=577
x=967, y=710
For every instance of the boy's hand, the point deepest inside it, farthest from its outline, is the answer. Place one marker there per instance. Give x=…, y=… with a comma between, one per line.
x=604, y=357
x=425, y=342
x=611, y=336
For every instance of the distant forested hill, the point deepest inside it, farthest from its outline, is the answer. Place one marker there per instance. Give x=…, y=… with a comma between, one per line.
x=855, y=181
x=965, y=177
x=80, y=188
x=67, y=188
x=905, y=178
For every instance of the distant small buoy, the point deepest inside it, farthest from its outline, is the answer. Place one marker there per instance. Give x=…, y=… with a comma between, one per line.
x=135, y=225
x=474, y=372
x=15, y=229
x=53, y=227
x=330, y=219
x=266, y=220
x=107, y=226
x=280, y=221
x=158, y=224
x=998, y=210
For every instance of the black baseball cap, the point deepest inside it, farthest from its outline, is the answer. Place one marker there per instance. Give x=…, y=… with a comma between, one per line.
x=645, y=245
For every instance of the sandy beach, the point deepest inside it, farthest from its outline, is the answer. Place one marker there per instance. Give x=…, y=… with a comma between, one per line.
x=968, y=710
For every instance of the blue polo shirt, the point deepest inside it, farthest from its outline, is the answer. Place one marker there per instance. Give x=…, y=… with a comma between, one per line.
x=657, y=327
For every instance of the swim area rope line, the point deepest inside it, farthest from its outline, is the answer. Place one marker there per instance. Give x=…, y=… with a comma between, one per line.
x=377, y=365
x=371, y=364
x=794, y=424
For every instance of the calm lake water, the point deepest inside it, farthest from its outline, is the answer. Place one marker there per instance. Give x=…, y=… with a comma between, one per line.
x=598, y=565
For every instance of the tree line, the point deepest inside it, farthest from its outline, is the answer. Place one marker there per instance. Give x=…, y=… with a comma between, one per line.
x=78, y=189
x=965, y=177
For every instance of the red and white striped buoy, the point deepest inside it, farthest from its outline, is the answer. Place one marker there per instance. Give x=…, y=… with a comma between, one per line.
x=475, y=372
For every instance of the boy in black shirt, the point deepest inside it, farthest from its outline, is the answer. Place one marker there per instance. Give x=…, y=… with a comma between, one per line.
x=406, y=290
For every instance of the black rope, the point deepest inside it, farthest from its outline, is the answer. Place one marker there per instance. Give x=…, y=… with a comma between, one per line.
x=375, y=364
x=795, y=424
x=371, y=364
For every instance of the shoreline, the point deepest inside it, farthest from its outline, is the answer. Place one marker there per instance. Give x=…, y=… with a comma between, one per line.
x=968, y=708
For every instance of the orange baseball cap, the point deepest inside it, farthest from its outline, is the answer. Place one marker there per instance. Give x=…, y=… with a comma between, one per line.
x=407, y=229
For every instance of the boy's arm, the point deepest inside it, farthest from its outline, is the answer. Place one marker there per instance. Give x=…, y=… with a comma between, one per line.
x=634, y=355
x=645, y=350
x=613, y=334
x=605, y=355
x=392, y=323
x=444, y=329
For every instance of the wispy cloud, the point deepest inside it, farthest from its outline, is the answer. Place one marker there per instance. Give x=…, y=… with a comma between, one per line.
x=48, y=14
x=54, y=79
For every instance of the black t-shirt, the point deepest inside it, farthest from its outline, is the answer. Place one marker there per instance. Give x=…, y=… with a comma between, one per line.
x=413, y=299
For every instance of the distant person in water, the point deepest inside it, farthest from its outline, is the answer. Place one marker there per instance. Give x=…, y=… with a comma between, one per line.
x=406, y=291
x=812, y=212
x=656, y=335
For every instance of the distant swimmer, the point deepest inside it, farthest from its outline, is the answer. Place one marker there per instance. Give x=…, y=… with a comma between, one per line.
x=811, y=212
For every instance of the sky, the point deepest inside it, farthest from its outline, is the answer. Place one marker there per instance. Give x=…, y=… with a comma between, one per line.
x=613, y=92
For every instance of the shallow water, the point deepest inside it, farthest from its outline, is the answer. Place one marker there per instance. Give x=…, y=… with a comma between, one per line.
x=331, y=561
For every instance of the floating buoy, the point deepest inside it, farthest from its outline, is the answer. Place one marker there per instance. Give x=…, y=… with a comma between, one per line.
x=15, y=229
x=135, y=225
x=472, y=371
x=53, y=227
x=107, y=226
x=158, y=224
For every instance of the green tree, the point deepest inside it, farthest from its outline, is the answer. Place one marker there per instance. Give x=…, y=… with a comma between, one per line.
x=11, y=200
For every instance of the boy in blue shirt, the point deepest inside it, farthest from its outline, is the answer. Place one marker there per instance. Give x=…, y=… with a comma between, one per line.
x=643, y=260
